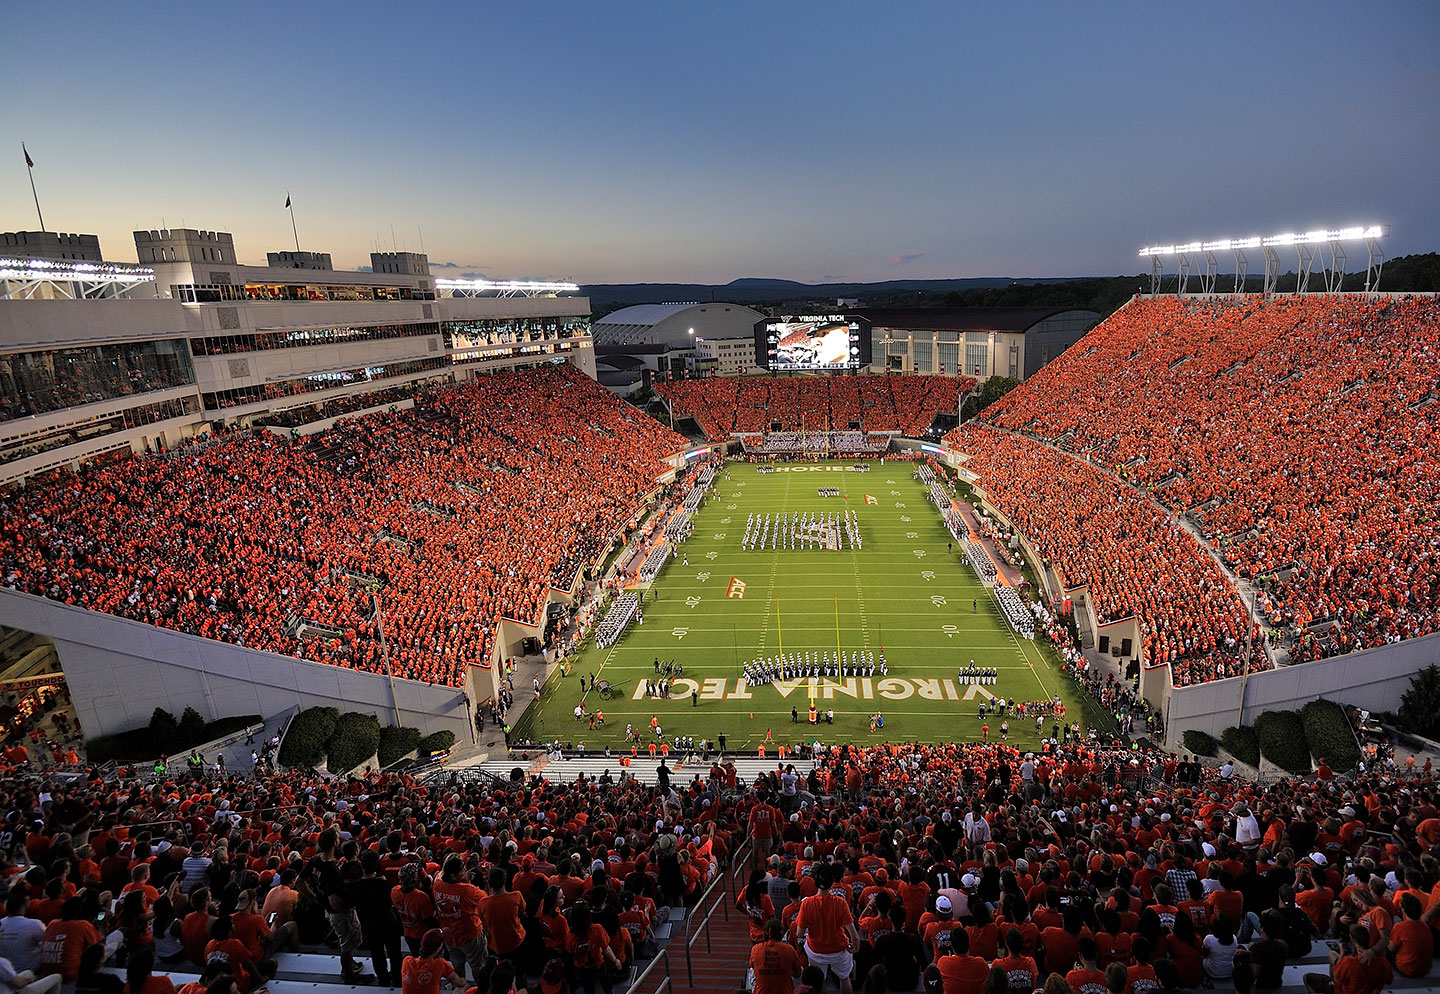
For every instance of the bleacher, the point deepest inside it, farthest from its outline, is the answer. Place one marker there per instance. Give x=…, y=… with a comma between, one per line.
x=469, y=505
x=593, y=765
x=1296, y=431
x=873, y=405
x=1036, y=822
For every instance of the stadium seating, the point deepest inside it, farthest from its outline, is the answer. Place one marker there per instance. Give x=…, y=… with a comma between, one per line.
x=462, y=511
x=1299, y=433
x=725, y=405
x=1155, y=862
x=1135, y=559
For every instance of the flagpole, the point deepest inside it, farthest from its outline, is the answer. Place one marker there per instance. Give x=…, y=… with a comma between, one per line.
x=293, y=231
x=30, y=168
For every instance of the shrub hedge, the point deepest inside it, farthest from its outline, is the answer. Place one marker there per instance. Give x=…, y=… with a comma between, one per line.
x=1328, y=734
x=435, y=742
x=191, y=728
x=356, y=739
x=1282, y=740
x=147, y=743
x=164, y=731
x=397, y=741
x=1200, y=743
x=309, y=734
x=1241, y=742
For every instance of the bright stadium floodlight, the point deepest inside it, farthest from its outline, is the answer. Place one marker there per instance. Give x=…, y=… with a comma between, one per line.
x=89, y=272
x=507, y=288
x=1318, y=237
x=1303, y=242
x=22, y=279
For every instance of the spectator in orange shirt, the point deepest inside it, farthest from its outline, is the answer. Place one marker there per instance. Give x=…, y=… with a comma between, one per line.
x=457, y=910
x=1350, y=971
x=1313, y=897
x=960, y=972
x=828, y=929
x=65, y=940
x=589, y=947
x=413, y=905
x=1412, y=944
x=280, y=900
x=141, y=978
x=1021, y=973
x=500, y=912
x=775, y=962
x=1087, y=977
x=140, y=881
x=423, y=972
x=755, y=902
x=225, y=949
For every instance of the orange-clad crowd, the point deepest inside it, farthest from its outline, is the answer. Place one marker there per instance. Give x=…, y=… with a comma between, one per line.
x=463, y=509
x=724, y=405
x=1134, y=558
x=1301, y=433
x=970, y=869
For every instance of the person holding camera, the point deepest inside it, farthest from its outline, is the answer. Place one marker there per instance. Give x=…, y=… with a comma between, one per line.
x=1354, y=967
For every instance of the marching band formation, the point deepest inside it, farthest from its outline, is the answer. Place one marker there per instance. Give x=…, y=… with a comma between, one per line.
x=804, y=530
x=803, y=665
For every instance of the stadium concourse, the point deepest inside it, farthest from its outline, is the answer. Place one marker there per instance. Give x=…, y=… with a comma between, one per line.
x=953, y=869
x=726, y=405
x=1297, y=434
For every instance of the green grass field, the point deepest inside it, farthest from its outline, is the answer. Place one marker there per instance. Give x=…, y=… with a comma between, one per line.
x=902, y=591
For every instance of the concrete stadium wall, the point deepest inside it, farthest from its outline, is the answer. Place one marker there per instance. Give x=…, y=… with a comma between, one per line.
x=119, y=671
x=1373, y=679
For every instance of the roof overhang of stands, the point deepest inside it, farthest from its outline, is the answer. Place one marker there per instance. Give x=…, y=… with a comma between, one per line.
x=23, y=279
x=503, y=288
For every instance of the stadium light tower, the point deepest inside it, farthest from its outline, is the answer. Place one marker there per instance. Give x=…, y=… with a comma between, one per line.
x=503, y=288
x=1306, y=245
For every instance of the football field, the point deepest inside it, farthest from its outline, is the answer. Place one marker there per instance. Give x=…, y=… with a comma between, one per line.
x=720, y=606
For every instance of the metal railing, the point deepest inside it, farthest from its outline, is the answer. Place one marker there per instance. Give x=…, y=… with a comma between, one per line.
x=694, y=930
x=665, y=985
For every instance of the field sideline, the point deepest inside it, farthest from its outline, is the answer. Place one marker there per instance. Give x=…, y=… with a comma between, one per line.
x=903, y=591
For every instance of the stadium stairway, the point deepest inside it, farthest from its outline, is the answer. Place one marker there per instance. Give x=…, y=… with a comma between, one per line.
x=718, y=960
x=747, y=767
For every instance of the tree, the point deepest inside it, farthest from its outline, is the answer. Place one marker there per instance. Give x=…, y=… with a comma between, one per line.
x=1420, y=704
x=988, y=393
x=163, y=731
x=192, y=729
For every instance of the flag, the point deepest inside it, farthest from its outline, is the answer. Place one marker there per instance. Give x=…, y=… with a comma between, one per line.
x=29, y=162
x=287, y=200
x=870, y=500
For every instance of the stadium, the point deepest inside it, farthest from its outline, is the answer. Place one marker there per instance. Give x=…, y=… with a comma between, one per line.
x=387, y=536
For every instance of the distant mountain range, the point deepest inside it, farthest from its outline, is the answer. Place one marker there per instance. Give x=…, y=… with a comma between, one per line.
x=1416, y=273
x=606, y=297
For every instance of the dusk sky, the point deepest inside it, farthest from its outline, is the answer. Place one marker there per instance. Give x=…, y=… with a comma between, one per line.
x=630, y=142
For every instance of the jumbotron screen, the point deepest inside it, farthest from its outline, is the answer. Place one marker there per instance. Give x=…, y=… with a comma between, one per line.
x=813, y=343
